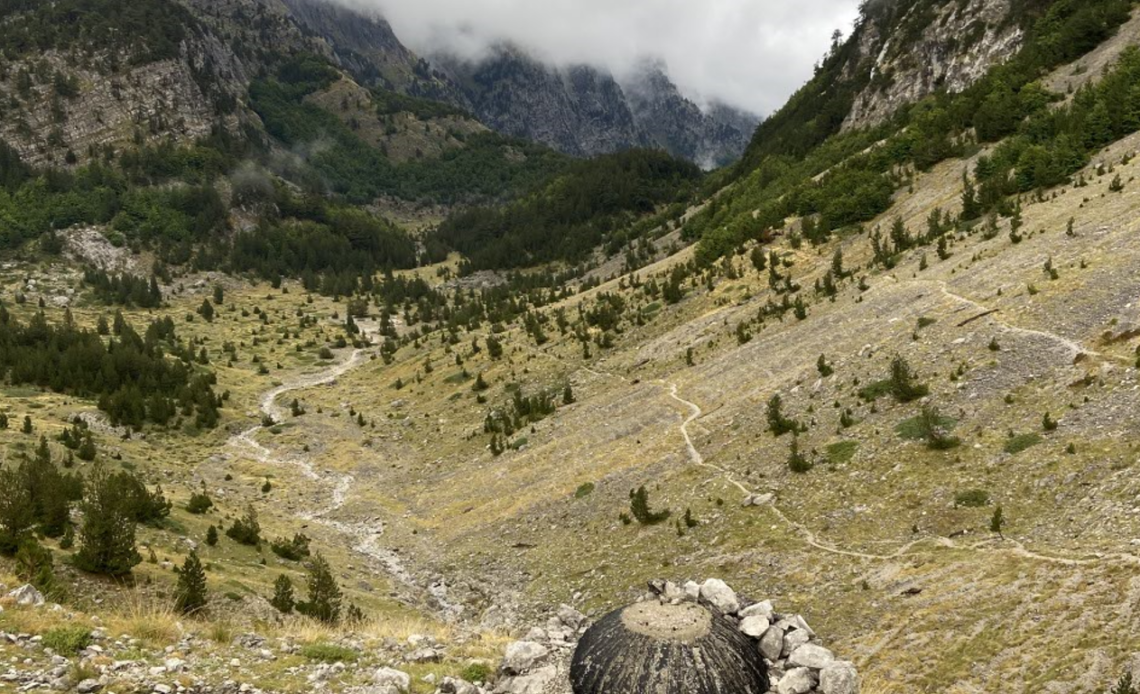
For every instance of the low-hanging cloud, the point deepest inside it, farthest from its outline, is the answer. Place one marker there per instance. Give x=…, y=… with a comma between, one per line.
x=747, y=53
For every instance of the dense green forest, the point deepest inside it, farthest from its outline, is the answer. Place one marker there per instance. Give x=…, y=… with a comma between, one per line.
x=572, y=215
x=147, y=30
x=776, y=176
x=131, y=375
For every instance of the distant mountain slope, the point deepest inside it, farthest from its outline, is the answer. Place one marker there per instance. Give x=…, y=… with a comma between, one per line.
x=579, y=110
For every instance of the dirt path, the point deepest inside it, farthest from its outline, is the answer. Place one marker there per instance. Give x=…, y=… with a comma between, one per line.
x=1007, y=546
x=364, y=536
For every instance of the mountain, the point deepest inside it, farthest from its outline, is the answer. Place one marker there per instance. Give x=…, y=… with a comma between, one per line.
x=584, y=111
x=712, y=138
x=311, y=383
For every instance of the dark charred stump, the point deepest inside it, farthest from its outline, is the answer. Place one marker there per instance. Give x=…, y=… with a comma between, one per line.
x=651, y=648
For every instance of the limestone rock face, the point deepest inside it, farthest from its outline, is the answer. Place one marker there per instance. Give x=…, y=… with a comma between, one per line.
x=667, y=648
x=950, y=48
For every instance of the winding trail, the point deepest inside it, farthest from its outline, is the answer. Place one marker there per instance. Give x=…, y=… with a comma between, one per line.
x=365, y=535
x=1010, y=546
x=1074, y=347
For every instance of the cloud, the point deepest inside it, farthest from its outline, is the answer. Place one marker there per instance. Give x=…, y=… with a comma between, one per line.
x=748, y=53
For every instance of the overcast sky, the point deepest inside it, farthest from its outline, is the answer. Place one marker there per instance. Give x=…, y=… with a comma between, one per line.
x=748, y=53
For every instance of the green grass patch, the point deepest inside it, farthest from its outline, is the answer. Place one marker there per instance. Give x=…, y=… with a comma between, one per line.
x=912, y=429
x=329, y=653
x=477, y=672
x=583, y=491
x=1019, y=443
x=842, y=452
x=972, y=498
x=460, y=377
x=67, y=640
x=876, y=390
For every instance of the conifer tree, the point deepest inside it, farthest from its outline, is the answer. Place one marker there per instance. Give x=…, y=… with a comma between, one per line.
x=324, y=593
x=212, y=535
x=639, y=508
x=206, y=310
x=997, y=522
x=190, y=595
x=107, y=538
x=282, y=598
x=16, y=512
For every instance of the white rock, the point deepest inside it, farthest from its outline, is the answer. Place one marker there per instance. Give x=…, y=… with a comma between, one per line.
x=28, y=596
x=772, y=644
x=453, y=685
x=692, y=590
x=522, y=655
x=163, y=688
x=812, y=656
x=717, y=593
x=392, y=678
x=754, y=626
x=573, y=618
x=839, y=678
x=797, y=681
x=534, y=683
x=761, y=609
x=793, y=640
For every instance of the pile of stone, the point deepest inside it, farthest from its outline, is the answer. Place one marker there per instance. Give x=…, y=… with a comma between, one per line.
x=797, y=663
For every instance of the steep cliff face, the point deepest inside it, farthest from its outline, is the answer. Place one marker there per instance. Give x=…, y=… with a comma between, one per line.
x=577, y=110
x=177, y=78
x=666, y=118
x=920, y=47
x=584, y=111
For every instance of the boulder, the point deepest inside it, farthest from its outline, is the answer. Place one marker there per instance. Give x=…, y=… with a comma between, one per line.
x=812, y=656
x=717, y=593
x=761, y=609
x=390, y=679
x=797, y=681
x=772, y=644
x=839, y=677
x=28, y=596
x=792, y=641
x=754, y=626
x=533, y=683
x=522, y=655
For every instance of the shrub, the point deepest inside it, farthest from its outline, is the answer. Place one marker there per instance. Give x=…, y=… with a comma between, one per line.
x=779, y=424
x=584, y=490
x=292, y=550
x=67, y=640
x=200, y=503
x=797, y=461
x=476, y=672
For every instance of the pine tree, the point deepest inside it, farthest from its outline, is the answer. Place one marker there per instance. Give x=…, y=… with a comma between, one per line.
x=639, y=508
x=778, y=424
x=282, y=598
x=903, y=385
x=567, y=395
x=206, y=310
x=997, y=522
x=212, y=535
x=27, y=428
x=246, y=530
x=190, y=595
x=34, y=565
x=107, y=538
x=1124, y=685
x=17, y=515
x=324, y=593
